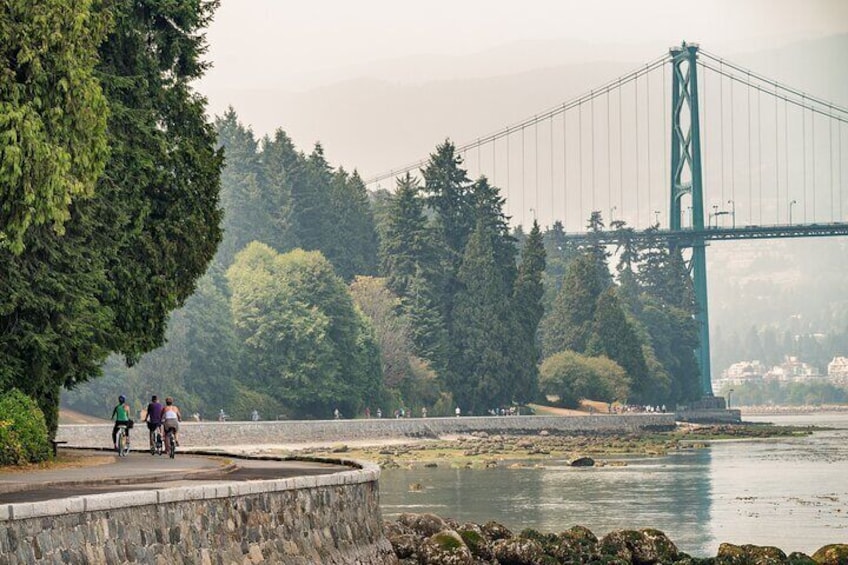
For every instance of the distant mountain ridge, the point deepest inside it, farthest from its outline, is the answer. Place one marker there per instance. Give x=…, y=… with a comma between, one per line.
x=375, y=124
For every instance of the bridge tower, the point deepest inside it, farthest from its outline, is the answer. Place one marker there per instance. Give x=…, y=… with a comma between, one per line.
x=686, y=180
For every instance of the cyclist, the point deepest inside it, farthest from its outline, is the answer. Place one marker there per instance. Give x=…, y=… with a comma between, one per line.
x=121, y=415
x=153, y=417
x=171, y=419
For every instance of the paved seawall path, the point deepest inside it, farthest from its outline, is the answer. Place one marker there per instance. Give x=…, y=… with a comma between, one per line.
x=294, y=433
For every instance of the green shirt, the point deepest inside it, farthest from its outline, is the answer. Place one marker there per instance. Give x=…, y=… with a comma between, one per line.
x=121, y=414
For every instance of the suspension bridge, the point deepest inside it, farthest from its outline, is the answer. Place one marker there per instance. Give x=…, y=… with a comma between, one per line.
x=688, y=148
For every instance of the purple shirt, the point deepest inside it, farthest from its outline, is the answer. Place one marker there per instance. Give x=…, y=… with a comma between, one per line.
x=154, y=413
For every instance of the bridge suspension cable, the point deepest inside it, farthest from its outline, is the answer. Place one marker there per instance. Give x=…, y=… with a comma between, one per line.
x=791, y=95
x=577, y=102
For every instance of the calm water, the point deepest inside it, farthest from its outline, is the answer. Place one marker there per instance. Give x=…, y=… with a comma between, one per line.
x=790, y=493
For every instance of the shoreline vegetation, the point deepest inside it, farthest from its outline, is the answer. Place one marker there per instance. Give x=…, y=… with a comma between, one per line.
x=430, y=539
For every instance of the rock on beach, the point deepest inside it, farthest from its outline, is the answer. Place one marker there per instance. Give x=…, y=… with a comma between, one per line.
x=428, y=539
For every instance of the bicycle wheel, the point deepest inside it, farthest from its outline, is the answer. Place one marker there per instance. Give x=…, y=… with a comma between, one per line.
x=123, y=442
x=172, y=444
x=158, y=443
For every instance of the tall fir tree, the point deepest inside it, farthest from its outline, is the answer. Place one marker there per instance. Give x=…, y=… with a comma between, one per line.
x=614, y=337
x=482, y=372
x=527, y=304
x=448, y=194
x=241, y=194
x=133, y=252
x=352, y=245
x=281, y=167
x=411, y=263
x=569, y=323
x=311, y=202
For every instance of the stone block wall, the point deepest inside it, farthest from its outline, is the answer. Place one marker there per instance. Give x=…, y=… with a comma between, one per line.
x=330, y=519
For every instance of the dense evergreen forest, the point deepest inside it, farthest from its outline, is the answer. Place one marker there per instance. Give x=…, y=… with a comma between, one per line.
x=323, y=296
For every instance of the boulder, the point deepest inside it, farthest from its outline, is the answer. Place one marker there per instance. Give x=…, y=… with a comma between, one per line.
x=642, y=547
x=518, y=551
x=730, y=554
x=405, y=546
x=425, y=525
x=476, y=541
x=832, y=554
x=583, y=462
x=580, y=534
x=445, y=548
x=797, y=558
x=495, y=531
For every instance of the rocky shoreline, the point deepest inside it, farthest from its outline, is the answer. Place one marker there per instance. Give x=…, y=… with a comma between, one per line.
x=427, y=539
x=482, y=450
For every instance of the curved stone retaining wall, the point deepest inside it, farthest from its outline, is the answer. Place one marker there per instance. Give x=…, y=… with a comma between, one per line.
x=332, y=519
x=222, y=434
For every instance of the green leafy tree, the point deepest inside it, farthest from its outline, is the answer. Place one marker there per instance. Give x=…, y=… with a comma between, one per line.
x=52, y=112
x=391, y=328
x=572, y=377
x=305, y=342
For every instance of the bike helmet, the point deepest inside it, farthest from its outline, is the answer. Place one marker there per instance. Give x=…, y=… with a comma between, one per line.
x=122, y=399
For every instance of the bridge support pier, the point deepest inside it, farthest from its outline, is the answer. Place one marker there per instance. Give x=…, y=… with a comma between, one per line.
x=686, y=180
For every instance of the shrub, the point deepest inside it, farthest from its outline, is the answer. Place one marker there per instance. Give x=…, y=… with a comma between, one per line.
x=23, y=431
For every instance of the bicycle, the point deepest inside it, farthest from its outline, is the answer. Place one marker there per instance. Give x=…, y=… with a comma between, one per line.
x=157, y=448
x=122, y=441
x=172, y=443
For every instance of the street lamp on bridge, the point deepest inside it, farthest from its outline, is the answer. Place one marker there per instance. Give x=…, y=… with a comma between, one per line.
x=613, y=209
x=732, y=212
x=791, y=204
x=729, y=392
x=657, y=217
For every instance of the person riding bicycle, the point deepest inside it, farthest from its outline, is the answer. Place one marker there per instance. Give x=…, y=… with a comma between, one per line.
x=171, y=419
x=153, y=417
x=121, y=415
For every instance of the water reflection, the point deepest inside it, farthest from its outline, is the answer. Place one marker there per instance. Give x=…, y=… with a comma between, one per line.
x=670, y=493
x=791, y=493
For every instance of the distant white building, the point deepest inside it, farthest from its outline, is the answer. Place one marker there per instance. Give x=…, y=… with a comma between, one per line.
x=837, y=370
x=742, y=372
x=793, y=370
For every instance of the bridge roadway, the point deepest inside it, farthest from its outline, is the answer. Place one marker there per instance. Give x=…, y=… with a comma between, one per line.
x=98, y=472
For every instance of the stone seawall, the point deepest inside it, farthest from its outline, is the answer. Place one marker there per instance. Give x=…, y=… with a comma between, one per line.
x=223, y=434
x=331, y=519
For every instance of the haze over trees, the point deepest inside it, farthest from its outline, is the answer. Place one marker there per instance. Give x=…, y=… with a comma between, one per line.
x=452, y=316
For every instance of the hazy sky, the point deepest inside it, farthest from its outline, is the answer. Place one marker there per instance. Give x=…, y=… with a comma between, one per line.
x=283, y=44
